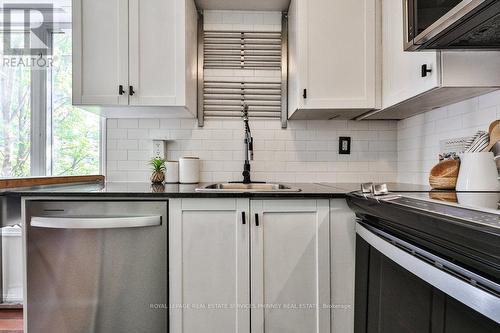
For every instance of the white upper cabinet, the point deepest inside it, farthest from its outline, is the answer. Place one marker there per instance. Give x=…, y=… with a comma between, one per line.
x=100, y=52
x=450, y=76
x=333, y=58
x=146, y=47
x=402, y=71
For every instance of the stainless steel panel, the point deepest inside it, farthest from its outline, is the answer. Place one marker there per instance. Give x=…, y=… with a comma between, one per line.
x=96, y=280
x=450, y=18
x=446, y=21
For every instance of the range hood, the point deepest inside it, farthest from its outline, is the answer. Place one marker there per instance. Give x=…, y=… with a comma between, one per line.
x=452, y=24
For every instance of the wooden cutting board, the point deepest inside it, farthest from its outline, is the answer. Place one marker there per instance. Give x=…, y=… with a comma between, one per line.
x=494, y=135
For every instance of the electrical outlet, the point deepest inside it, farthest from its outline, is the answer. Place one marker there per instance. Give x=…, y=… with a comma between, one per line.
x=159, y=148
x=344, y=145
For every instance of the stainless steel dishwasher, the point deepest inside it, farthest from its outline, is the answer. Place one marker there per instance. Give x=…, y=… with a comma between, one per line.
x=96, y=266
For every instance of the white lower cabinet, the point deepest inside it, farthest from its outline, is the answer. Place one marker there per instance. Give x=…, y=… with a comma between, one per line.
x=273, y=266
x=209, y=265
x=290, y=266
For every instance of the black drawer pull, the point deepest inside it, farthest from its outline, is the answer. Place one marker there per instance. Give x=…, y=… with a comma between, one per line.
x=256, y=219
x=425, y=70
x=243, y=218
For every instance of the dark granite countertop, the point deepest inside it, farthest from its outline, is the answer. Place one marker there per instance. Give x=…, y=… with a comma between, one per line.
x=136, y=189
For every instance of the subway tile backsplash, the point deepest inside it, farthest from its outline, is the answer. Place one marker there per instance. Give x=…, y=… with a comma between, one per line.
x=307, y=151
x=419, y=136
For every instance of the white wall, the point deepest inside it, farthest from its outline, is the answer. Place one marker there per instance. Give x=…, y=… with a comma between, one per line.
x=419, y=136
x=305, y=152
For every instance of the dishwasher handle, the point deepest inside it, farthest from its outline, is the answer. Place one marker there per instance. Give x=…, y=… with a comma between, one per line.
x=61, y=222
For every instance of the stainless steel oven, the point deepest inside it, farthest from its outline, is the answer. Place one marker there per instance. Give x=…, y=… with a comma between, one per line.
x=451, y=24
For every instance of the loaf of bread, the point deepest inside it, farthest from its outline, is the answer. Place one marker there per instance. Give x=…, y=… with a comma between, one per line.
x=444, y=175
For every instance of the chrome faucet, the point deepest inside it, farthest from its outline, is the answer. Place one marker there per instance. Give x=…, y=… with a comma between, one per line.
x=248, y=147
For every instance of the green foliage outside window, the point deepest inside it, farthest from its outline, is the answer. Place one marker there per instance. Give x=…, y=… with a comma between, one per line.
x=15, y=115
x=75, y=132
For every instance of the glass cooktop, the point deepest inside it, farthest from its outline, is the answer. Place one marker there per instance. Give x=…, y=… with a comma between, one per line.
x=477, y=207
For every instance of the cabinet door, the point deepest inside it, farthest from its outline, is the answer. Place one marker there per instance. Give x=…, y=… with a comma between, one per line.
x=154, y=36
x=337, y=44
x=209, y=265
x=401, y=71
x=290, y=266
x=100, y=52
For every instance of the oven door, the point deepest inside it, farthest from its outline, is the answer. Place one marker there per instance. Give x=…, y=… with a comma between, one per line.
x=426, y=19
x=402, y=288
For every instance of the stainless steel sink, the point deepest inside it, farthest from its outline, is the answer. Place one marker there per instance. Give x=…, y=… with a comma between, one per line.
x=252, y=187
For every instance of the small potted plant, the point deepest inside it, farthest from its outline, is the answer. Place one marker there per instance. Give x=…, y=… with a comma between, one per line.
x=158, y=174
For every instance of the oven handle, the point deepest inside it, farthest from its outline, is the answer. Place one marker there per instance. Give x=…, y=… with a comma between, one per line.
x=475, y=298
x=95, y=222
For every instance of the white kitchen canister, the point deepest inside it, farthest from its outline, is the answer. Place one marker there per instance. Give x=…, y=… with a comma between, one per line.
x=189, y=170
x=172, y=172
x=478, y=172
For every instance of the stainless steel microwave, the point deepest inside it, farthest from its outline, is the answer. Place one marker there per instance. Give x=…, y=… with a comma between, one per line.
x=451, y=24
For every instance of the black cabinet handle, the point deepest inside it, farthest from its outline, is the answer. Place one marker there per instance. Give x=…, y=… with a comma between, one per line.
x=243, y=218
x=121, y=91
x=304, y=94
x=257, y=220
x=131, y=91
x=425, y=70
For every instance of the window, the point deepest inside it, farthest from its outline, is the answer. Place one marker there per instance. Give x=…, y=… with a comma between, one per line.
x=41, y=133
x=15, y=112
x=75, y=133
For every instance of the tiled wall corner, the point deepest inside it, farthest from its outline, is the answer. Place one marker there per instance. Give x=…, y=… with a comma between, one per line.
x=419, y=136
